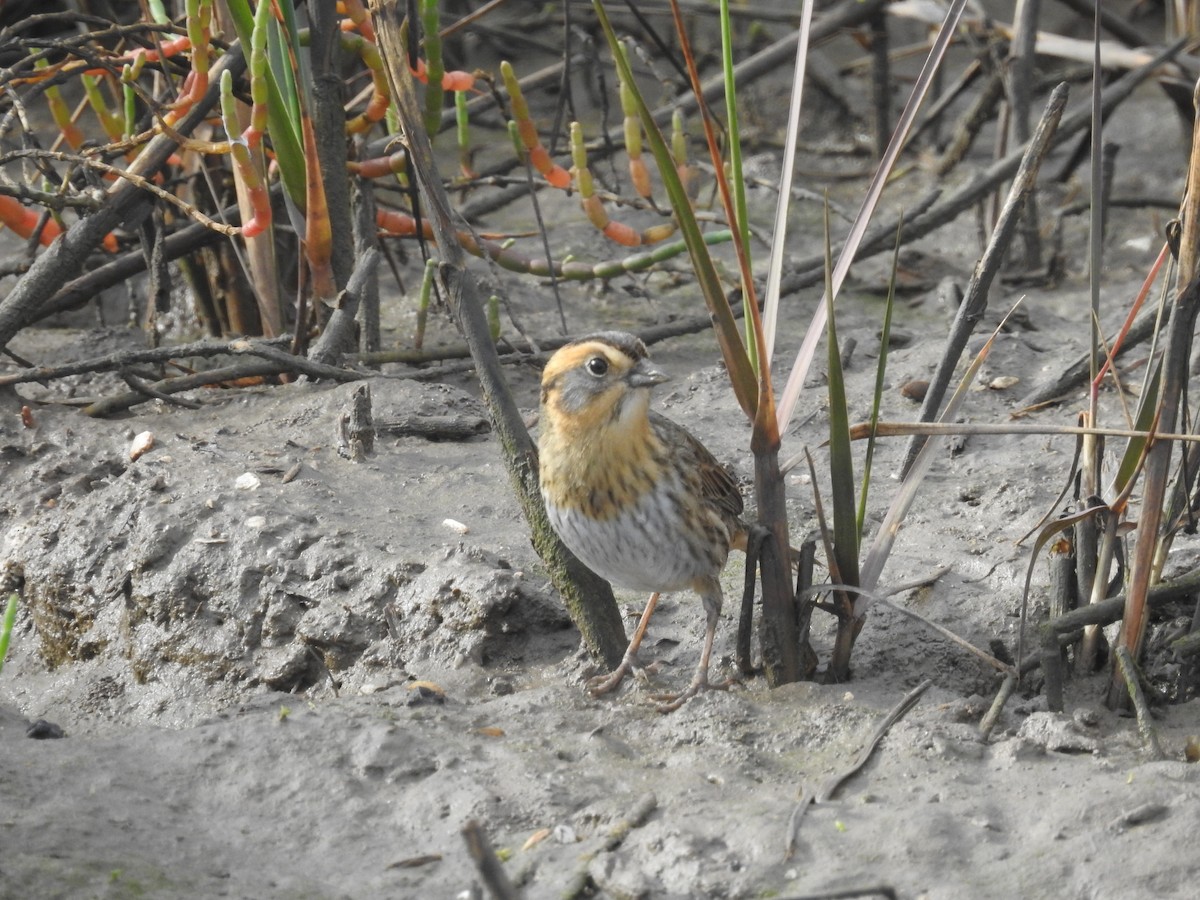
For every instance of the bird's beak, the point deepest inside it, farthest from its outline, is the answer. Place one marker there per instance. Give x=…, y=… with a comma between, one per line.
x=644, y=374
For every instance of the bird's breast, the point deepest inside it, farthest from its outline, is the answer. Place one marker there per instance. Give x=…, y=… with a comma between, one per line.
x=656, y=542
x=600, y=472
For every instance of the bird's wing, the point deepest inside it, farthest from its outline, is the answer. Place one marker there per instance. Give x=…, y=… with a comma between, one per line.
x=717, y=485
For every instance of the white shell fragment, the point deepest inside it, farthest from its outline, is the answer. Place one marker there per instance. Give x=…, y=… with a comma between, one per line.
x=141, y=445
x=257, y=522
x=247, y=481
x=1003, y=382
x=455, y=526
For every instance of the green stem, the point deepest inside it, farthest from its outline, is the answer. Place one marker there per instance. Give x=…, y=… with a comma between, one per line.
x=10, y=618
x=735, y=165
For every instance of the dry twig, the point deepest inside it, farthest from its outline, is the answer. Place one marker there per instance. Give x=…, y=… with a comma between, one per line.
x=829, y=786
x=487, y=864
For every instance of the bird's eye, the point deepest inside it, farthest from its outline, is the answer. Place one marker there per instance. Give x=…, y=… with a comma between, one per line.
x=597, y=366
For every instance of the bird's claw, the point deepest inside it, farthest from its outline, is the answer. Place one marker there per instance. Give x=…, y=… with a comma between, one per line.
x=603, y=684
x=669, y=702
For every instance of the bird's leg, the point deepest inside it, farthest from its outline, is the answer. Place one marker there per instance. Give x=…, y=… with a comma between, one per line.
x=710, y=595
x=602, y=684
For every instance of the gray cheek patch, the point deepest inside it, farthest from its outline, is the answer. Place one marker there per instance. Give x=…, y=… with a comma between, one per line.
x=574, y=395
x=578, y=389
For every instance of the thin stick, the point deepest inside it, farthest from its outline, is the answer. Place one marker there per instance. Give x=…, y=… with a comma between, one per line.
x=588, y=598
x=881, y=80
x=338, y=336
x=830, y=785
x=988, y=722
x=133, y=178
x=487, y=864
x=577, y=886
x=365, y=239
x=974, y=302
x=122, y=402
x=125, y=358
x=1146, y=729
x=66, y=256
x=874, y=890
x=1023, y=46
x=150, y=393
x=1053, y=670
x=949, y=635
x=899, y=429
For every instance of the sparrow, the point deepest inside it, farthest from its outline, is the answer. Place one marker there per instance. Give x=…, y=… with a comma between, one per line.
x=637, y=498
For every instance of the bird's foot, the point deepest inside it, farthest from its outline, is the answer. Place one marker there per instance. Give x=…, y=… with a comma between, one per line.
x=666, y=703
x=604, y=684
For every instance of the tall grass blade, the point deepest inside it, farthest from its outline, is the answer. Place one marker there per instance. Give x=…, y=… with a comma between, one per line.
x=804, y=357
x=880, y=374
x=1152, y=536
x=876, y=557
x=1135, y=449
x=783, y=203
x=1087, y=534
x=283, y=111
x=841, y=462
x=763, y=434
x=741, y=219
x=741, y=374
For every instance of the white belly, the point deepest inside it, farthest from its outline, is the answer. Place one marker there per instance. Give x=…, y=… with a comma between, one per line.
x=637, y=549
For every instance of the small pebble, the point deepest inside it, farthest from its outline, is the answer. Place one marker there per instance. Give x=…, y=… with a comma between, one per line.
x=914, y=390
x=141, y=445
x=247, y=481
x=41, y=730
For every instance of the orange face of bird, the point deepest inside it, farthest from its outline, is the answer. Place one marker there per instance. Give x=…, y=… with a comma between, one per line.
x=599, y=382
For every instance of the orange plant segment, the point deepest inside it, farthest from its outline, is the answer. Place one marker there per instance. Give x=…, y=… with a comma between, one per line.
x=401, y=224
x=24, y=222
x=620, y=233
x=165, y=50
x=376, y=109
x=195, y=85
x=359, y=20
x=656, y=233
x=593, y=206
x=550, y=170
x=380, y=166
x=397, y=223
x=594, y=210
x=260, y=198
x=538, y=157
x=640, y=176
x=318, y=233
x=456, y=80
x=71, y=132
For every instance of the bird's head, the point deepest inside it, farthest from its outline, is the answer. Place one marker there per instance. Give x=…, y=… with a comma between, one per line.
x=600, y=380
